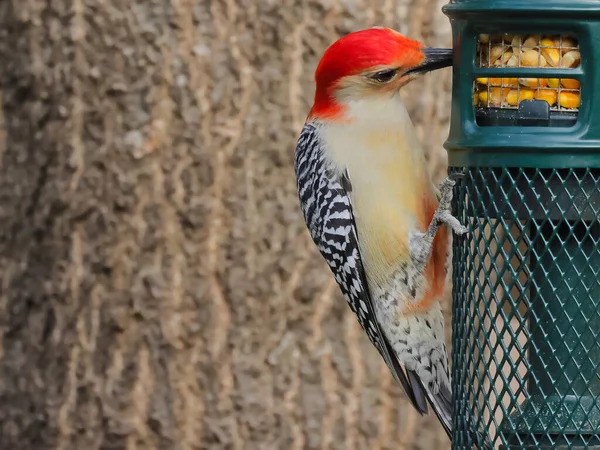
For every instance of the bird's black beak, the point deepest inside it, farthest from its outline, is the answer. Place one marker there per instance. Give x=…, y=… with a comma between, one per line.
x=435, y=58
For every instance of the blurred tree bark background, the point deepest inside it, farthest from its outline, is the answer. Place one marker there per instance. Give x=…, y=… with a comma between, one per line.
x=158, y=286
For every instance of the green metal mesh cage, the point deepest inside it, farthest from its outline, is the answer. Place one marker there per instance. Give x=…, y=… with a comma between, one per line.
x=526, y=312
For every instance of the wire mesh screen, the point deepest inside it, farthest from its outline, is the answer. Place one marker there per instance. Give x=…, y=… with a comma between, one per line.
x=526, y=313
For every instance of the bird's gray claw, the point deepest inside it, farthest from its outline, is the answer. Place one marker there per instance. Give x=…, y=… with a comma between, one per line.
x=455, y=176
x=443, y=214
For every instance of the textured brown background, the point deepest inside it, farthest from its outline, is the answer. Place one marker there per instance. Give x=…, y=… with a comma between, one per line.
x=158, y=287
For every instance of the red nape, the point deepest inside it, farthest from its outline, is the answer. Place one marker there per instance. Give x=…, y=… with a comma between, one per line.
x=355, y=53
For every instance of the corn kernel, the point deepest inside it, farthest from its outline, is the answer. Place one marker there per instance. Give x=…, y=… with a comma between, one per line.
x=483, y=98
x=568, y=44
x=531, y=42
x=570, y=100
x=504, y=58
x=551, y=55
x=547, y=95
x=495, y=53
x=515, y=96
x=501, y=81
x=533, y=50
x=553, y=83
x=483, y=80
x=570, y=83
x=571, y=59
x=513, y=61
x=496, y=96
x=533, y=82
x=532, y=58
x=515, y=43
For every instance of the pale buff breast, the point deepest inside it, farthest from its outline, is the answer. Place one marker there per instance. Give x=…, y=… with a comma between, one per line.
x=388, y=175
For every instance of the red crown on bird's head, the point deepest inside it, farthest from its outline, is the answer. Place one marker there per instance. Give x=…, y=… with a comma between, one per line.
x=357, y=52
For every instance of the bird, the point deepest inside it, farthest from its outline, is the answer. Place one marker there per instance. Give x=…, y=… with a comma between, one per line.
x=372, y=210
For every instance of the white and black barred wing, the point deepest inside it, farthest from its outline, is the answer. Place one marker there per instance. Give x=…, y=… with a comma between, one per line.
x=327, y=211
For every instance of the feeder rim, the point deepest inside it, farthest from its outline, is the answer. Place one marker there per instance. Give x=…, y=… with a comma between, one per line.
x=496, y=6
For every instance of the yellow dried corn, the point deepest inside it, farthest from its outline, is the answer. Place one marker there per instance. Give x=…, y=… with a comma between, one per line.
x=549, y=46
x=566, y=44
x=495, y=53
x=549, y=95
x=503, y=59
x=483, y=98
x=496, y=96
x=515, y=43
x=499, y=81
x=532, y=58
x=513, y=61
x=528, y=51
x=551, y=55
x=570, y=83
x=569, y=100
x=516, y=96
x=533, y=82
x=571, y=59
x=531, y=42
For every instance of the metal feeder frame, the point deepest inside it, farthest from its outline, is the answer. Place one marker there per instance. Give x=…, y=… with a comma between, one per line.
x=526, y=277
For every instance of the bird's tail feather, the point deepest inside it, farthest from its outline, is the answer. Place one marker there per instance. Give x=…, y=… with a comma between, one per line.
x=441, y=403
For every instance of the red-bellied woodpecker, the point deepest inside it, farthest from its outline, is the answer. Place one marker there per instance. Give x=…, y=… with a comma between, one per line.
x=372, y=210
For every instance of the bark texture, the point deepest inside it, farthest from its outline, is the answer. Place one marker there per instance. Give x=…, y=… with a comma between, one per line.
x=158, y=286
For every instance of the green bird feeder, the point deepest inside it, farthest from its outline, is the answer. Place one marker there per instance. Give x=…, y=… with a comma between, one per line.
x=525, y=131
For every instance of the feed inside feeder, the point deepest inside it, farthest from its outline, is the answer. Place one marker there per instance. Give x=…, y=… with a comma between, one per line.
x=493, y=95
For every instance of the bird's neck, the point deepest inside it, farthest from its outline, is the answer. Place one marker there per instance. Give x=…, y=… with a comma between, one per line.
x=379, y=147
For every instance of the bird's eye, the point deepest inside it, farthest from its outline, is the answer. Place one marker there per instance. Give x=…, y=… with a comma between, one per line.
x=384, y=76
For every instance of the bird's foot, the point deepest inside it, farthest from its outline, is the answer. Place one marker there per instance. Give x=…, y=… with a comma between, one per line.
x=420, y=244
x=443, y=212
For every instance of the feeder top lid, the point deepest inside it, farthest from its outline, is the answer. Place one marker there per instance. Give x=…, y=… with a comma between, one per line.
x=520, y=5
